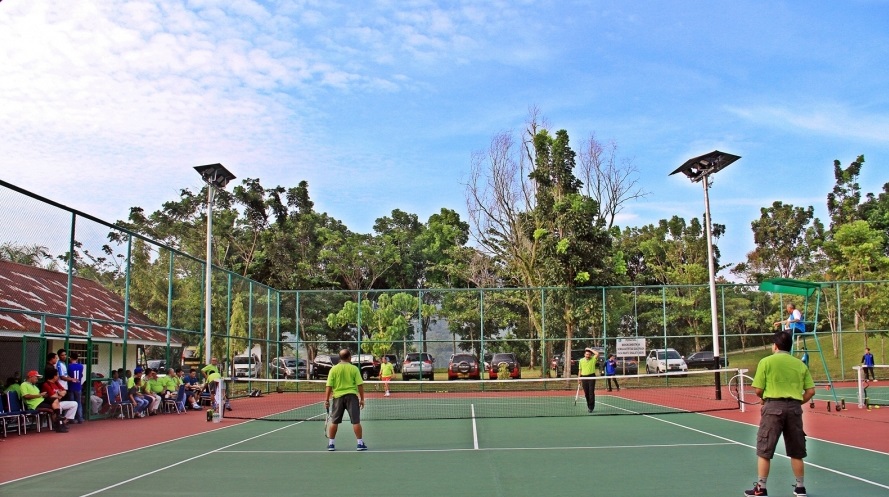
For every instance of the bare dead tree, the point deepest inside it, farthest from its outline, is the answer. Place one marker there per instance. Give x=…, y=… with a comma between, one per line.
x=608, y=179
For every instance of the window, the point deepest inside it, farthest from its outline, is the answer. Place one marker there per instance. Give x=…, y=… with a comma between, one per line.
x=80, y=348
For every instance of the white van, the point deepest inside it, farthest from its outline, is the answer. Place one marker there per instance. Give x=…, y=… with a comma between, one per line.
x=246, y=366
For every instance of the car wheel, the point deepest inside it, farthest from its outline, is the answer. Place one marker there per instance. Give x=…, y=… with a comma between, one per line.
x=647, y=369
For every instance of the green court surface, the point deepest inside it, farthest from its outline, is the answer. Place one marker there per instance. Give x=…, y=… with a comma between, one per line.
x=676, y=454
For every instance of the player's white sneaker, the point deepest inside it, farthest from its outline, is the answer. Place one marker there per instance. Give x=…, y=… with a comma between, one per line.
x=387, y=394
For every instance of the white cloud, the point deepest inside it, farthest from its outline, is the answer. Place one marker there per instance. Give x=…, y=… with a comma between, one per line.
x=835, y=120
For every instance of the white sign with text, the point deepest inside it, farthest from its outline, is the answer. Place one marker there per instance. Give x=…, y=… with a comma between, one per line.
x=630, y=347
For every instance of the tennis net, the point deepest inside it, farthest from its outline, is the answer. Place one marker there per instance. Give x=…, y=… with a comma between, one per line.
x=870, y=391
x=299, y=400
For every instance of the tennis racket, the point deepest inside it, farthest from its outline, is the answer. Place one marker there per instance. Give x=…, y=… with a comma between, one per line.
x=326, y=421
x=577, y=394
x=741, y=388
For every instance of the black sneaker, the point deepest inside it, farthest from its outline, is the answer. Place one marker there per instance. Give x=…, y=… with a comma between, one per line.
x=757, y=490
x=799, y=491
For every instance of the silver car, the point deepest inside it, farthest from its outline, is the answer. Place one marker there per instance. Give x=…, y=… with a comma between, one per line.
x=417, y=365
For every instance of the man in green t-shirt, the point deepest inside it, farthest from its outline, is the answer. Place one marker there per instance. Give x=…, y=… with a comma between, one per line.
x=210, y=369
x=586, y=368
x=153, y=390
x=387, y=371
x=345, y=384
x=34, y=398
x=785, y=384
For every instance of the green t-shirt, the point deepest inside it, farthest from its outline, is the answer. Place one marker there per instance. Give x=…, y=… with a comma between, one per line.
x=28, y=389
x=15, y=387
x=209, y=369
x=170, y=383
x=343, y=379
x=586, y=367
x=782, y=376
x=131, y=382
x=387, y=370
x=154, y=386
x=213, y=377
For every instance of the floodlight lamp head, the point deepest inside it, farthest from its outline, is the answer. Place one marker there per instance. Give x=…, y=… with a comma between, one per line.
x=700, y=167
x=215, y=174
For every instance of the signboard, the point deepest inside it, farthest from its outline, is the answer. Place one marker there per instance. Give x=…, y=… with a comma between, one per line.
x=630, y=347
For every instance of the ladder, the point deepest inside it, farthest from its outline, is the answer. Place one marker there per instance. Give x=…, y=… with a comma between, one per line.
x=801, y=345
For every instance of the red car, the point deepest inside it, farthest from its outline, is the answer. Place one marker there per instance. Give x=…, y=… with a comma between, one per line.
x=464, y=366
x=506, y=362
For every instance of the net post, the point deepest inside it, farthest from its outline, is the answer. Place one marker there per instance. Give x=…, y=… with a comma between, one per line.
x=741, y=389
x=860, y=383
x=716, y=376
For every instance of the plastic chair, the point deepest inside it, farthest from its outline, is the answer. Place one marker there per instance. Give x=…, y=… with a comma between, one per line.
x=177, y=402
x=16, y=408
x=6, y=416
x=115, y=400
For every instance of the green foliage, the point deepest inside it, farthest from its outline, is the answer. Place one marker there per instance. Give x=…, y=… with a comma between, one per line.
x=788, y=239
x=381, y=323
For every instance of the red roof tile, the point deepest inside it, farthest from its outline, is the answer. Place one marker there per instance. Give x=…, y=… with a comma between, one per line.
x=40, y=290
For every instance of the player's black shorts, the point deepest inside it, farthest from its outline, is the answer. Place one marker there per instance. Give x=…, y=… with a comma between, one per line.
x=348, y=402
x=777, y=418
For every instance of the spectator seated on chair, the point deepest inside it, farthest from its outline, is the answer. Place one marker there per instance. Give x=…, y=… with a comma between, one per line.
x=54, y=390
x=13, y=384
x=97, y=395
x=36, y=400
x=171, y=383
x=153, y=389
x=193, y=388
x=140, y=403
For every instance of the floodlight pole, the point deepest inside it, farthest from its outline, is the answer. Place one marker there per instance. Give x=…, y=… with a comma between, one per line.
x=711, y=266
x=208, y=273
x=216, y=176
x=699, y=169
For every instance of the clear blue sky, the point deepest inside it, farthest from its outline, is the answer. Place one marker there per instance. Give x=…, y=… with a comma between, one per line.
x=380, y=104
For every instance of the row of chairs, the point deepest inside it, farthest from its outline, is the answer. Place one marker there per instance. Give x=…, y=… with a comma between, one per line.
x=125, y=409
x=13, y=411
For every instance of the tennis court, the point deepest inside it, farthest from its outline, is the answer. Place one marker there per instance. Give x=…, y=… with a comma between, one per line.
x=657, y=454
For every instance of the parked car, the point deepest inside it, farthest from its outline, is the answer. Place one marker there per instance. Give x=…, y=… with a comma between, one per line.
x=159, y=365
x=464, y=366
x=627, y=365
x=557, y=363
x=509, y=361
x=664, y=361
x=369, y=366
x=288, y=367
x=393, y=359
x=704, y=359
x=246, y=366
x=321, y=365
x=417, y=365
x=191, y=357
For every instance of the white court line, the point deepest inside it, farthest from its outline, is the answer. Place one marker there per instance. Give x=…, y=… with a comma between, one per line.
x=81, y=463
x=489, y=449
x=187, y=460
x=809, y=464
x=474, y=428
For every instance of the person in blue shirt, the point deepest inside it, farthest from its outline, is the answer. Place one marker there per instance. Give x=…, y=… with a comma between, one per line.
x=610, y=372
x=867, y=361
x=75, y=386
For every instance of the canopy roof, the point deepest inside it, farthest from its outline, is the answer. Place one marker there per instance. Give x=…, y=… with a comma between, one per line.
x=793, y=287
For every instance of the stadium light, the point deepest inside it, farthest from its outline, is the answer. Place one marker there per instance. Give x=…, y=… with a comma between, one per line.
x=216, y=176
x=699, y=169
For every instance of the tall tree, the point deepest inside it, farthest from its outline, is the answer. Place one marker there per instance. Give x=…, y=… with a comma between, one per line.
x=787, y=240
x=574, y=242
